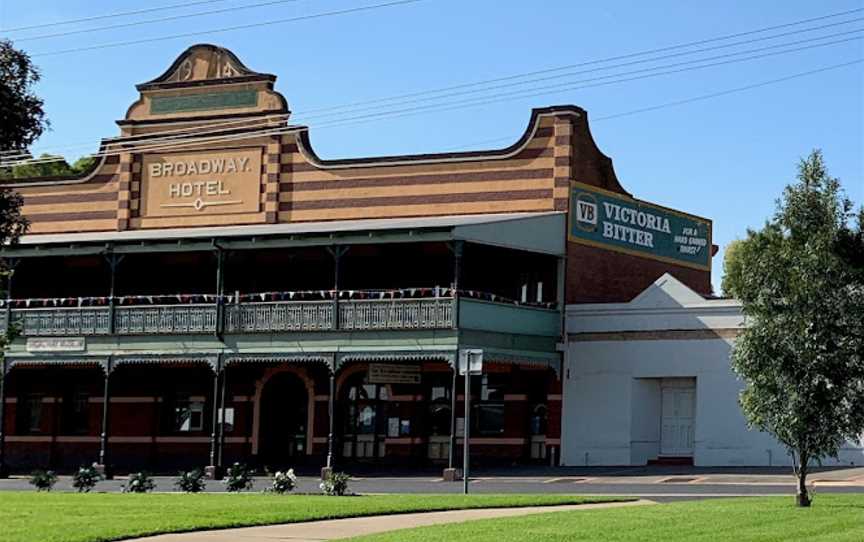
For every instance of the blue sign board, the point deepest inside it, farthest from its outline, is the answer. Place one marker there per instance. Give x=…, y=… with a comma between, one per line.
x=618, y=222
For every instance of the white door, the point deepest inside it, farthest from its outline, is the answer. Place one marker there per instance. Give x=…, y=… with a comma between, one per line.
x=678, y=413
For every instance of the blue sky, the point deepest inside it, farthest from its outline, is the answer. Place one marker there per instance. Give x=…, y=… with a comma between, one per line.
x=726, y=158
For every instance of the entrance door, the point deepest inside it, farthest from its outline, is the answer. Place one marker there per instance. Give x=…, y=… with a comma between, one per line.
x=677, y=426
x=284, y=411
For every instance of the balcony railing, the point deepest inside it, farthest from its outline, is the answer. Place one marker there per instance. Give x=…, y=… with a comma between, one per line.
x=247, y=317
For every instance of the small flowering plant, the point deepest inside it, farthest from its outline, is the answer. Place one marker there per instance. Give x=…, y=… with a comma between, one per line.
x=139, y=482
x=43, y=480
x=283, y=482
x=86, y=478
x=336, y=484
x=191, y=481
x=238, y=478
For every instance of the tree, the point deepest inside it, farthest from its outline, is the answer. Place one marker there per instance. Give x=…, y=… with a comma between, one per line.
x=731, y=266
x=22, y=119
x=801, y=355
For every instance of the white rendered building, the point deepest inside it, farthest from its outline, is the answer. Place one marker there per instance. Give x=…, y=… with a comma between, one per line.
x=651, y=380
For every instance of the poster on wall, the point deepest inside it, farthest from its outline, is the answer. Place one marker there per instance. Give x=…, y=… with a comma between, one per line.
x=388, y=373
x=618, y=222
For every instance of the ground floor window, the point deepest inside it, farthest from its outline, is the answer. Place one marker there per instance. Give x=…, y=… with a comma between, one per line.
x=488, y=410
x=188, y=415
x=30, y=413
x=76, y=412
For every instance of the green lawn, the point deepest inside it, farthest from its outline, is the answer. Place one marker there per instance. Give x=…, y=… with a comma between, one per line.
x=832, y=517
x=70, y=517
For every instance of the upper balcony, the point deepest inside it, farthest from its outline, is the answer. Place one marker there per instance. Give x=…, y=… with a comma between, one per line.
x=324, y=285
x=278, y=312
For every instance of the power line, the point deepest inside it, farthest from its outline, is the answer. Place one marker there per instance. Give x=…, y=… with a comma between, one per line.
x=620, y=65
x=727, y=91
x=228, y=28
x=159, y=20
x=196, y=140
x=111, y=15
x=555, y=89
x=685, y=101
x=601, y=60
x=592, y=62
x=218, y=126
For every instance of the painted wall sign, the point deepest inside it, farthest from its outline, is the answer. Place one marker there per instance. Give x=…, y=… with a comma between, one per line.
x=201, y=183
x=56, y=344
x=386, y=373
x=614, y=221
x=203, y=101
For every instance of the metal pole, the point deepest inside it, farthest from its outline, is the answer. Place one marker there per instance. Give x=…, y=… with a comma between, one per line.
x=331, y=411
x=467, y=424
x=221, y=437
x=220, y=282
x=106, y=399
x=3, y=370
x=113, y=262
x=215, y=422
x=451, y=459
x=11, y=263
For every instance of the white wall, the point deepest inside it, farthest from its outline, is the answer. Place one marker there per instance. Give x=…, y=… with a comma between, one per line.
x=611, y=416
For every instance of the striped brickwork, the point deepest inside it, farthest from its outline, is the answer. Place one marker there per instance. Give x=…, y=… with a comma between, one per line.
x=91, y=205
x=533, y=175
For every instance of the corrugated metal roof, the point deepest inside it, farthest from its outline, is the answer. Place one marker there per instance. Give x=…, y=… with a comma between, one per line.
x=299, y=228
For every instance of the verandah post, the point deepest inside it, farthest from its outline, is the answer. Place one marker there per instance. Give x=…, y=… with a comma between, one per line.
x=212, y=469
x=11, y=263
x=337, y=253
x=4, y=473
x=103, y=436
x=331, y=413
x=221, y=435
x=113, y=262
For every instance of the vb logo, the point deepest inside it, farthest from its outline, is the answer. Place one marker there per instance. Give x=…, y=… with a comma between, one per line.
x=586, y=212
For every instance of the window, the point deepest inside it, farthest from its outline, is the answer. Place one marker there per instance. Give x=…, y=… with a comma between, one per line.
x=538, y=420
x=488, y=412
x=226, y=419
x=439, y=403
x=76, y=413
x=30, y=413
x=188, y=415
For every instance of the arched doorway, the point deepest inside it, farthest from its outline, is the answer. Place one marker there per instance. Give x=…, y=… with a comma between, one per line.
x=284, y=420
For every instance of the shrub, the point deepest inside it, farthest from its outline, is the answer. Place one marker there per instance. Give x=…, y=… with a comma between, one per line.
x=283, y=482
x=43, y=480
x=139, y=482
x=191, y=481
x=336, y=484
x=238, y=478
x=85, y=479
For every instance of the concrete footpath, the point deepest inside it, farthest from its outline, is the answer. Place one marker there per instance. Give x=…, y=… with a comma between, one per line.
x=335, y=529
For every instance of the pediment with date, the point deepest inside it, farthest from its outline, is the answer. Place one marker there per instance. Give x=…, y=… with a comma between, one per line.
x=206, y=81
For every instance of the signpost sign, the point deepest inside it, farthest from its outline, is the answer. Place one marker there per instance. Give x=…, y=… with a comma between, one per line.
x=470, y=363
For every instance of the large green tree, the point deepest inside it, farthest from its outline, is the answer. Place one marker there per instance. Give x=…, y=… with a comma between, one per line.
x=801, y=283
x=22, y=120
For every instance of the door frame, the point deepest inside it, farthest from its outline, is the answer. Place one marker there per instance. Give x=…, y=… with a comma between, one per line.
x=310, y=404
x=678, y=383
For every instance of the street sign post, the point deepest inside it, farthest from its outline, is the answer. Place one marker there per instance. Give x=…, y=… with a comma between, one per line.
x=470, y=363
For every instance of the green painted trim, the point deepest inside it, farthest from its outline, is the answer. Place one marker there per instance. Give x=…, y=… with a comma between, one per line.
x=203, y=102
x=501, y=317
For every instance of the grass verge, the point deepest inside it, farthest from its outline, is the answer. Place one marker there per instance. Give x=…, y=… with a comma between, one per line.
x=97, y=517
x=837, y=518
